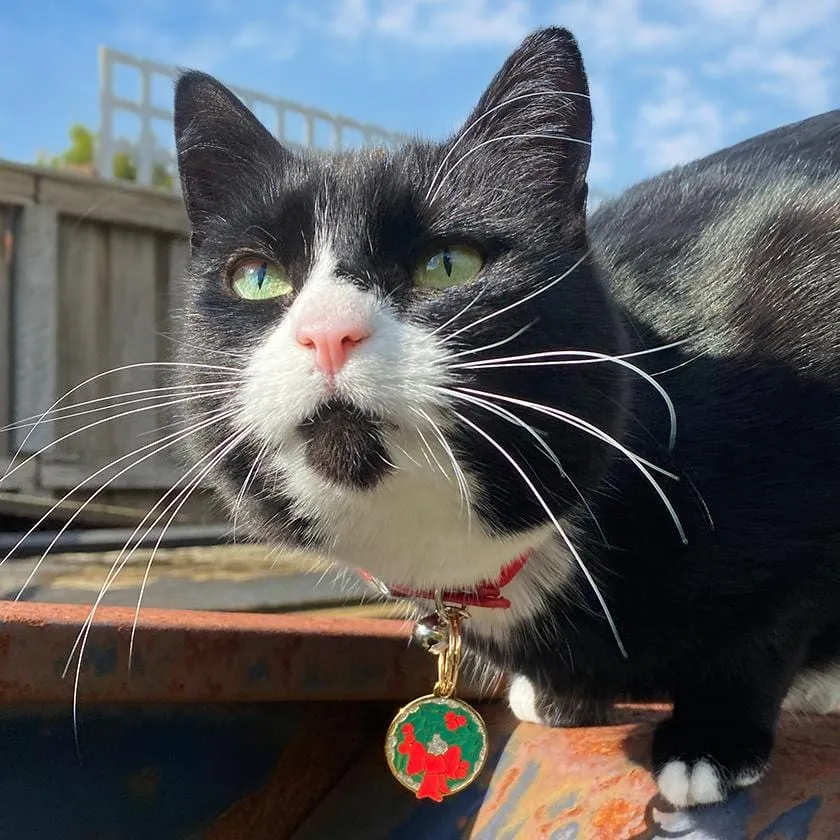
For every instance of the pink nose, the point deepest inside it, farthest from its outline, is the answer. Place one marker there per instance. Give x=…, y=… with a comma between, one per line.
x=332, y=343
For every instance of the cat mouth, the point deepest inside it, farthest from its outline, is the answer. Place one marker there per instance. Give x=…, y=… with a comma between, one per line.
x=345, y=444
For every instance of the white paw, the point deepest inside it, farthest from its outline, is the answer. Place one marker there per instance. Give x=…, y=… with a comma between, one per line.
x=522, y=700
x=699, y=784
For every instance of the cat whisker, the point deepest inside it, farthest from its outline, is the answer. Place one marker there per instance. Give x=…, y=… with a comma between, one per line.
x=641, y=464
x=178, y=503
x=554, y=521
x=601, y=357
x=156, y=448
x=179, y=341
x=553, y=353
x=463, y=486
x=495, y=344
x=530, y=296
x=542, y=94
x=546, y=449
x=431, y=454
x=116, y=568
x=11, y=470
x=68, y=413
x=499, y=139
x=408, y=457
x=247, y=483
x=458, y=314
x=96, y=377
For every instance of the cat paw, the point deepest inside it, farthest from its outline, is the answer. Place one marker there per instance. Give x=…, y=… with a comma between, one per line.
x=531, y=704
x=522, y=699
x=703, y=766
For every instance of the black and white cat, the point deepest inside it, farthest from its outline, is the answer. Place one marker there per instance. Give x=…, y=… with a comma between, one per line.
x=441, y=365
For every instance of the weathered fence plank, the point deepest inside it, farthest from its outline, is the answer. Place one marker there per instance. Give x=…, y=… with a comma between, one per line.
x=35, y=323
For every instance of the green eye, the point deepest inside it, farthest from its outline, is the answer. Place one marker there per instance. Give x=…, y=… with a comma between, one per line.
x=255, y=280
x=448, y=267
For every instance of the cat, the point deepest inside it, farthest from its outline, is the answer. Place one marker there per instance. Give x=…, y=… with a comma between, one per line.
x=441, y=364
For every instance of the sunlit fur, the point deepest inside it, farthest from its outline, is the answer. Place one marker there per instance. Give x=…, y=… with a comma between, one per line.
x=466, y=430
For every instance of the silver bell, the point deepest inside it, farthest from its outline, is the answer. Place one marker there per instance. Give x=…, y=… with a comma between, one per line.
x=431, y=633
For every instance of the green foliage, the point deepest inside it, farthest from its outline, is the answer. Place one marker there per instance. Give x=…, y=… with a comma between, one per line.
x=80, y=154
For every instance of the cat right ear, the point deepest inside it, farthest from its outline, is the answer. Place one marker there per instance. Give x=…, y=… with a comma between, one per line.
x=222, y=149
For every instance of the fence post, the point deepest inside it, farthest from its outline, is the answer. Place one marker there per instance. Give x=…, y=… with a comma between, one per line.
x=35, y=323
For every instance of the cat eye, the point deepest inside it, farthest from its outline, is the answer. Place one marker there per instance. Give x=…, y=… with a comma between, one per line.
x=451, y=266
x=258, y=280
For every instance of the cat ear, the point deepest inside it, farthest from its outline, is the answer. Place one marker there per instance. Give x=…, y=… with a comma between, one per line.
x=222, y=148
x=534, y=121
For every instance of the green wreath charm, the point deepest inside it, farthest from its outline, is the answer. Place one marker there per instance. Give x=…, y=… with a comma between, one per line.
x=436, y=746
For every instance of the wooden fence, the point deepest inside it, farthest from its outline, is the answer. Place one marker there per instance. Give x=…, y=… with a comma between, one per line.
x=89, y=272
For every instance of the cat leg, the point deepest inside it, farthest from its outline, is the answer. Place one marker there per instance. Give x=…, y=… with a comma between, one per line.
x=721, y=733
x=533, y=703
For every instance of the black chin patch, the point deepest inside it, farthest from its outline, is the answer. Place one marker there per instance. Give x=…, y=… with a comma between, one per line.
x=345, y=445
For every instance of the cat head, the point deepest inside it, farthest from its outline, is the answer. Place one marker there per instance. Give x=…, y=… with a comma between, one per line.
x=352, y=309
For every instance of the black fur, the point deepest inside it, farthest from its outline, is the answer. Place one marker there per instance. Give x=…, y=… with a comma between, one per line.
x=737, y=255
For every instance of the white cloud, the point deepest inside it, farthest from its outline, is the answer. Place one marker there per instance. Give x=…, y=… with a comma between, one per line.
x=614, y=28
x=350, y=18
x=679, y=125
x=783, y=47
x=434, y=23
x=801, y=80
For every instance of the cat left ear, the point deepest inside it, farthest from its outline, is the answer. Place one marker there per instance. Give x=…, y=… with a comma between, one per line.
x=222, y=148
x=534, y=121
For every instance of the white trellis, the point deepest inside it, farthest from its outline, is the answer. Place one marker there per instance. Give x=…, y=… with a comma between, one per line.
x=146, y=151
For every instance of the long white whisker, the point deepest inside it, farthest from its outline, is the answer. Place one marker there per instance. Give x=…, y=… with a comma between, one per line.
x=549, y=452
x=74, y=432
x=641, y=464
x=499, y=139
x=543, y=94
x=178, y=503
x=590, y=356
x=551, y=353
x=118, y=564
x=492, y=346
x=247, y=483
x=554, y=521
x=184, y=392
x=81, y=639
x=156, y=447
x=432, y=455
x=97, y=376
x=541, y=290
x=458, y=314
x=463, y=485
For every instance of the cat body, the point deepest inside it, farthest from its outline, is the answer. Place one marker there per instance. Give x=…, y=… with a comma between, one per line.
x=439, y=365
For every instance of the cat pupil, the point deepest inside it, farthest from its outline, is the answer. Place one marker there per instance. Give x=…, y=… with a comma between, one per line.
x=261, y=275
x=447, y=263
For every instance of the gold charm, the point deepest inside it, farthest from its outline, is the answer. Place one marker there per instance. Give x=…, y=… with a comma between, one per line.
x=437, y=745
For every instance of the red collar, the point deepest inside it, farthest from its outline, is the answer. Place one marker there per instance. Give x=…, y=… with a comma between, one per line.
x=485, y=594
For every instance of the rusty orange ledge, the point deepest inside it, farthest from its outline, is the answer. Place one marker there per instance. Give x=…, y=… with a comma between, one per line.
x=198, y=657
x=309, y=771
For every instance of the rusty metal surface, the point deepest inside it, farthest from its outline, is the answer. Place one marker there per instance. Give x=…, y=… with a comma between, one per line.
x=182, y=656
x=178, y=751
x=590, y=784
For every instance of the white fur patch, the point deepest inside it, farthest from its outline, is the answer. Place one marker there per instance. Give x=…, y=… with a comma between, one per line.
x=817, y=692
x=748, y=778
x=414, y=528
x=684, y=786
x=522, y=700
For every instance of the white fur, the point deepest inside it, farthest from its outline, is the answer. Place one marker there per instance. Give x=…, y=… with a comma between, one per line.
x=815, y=692
x=748, y=778
x=522, y=700
x=683, y=786
x=413, y=529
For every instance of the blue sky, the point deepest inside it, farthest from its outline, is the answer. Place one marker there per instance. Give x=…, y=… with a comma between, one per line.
x=670, y=80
